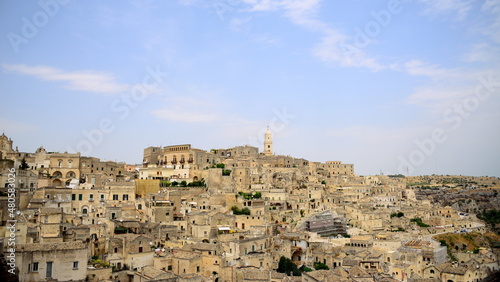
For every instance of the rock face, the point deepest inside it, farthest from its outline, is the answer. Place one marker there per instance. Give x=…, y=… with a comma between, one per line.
x=462, y=199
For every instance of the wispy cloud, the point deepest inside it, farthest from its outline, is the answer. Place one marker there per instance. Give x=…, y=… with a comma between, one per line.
x=334, y=47
x=92, y=81
x=433, y=71
x=481, y=53
x=460, y=8
x=493, y=7
x=182, y=114
x=191, y=107
x=446, y=86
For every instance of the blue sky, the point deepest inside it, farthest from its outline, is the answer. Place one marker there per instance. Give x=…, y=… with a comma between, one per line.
x=391, y=86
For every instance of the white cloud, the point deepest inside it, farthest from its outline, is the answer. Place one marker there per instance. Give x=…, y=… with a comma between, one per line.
x=447, y=86
x=182, y=114
x=459, y=7
x=194, y=105
x=493, y=7
x=482, y=53
x=93, y=81
x=435, y=72
x=376, y=134
x=334, y=47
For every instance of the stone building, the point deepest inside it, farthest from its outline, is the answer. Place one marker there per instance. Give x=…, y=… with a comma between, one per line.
x=52, y=261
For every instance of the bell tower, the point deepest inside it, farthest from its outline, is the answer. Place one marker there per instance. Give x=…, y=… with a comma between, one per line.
x=268, y=143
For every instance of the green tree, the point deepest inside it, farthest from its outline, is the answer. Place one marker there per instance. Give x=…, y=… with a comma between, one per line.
x=220, y=166
x=257, y=195
x=183, y=183
x=226, y=172
x=287, y=266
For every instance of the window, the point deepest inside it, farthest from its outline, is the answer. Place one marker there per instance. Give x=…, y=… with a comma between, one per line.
x=91, y=197
x=169, y=267
x=197, y=269
x=34, y=267
x=139, y=207
x=140, y=249
x=48, y=269
x=125, y=197
x=73, y=197
x=102, y=197
x=115, y=197
x=116, y=250
x=75, y=265
x=80, y=197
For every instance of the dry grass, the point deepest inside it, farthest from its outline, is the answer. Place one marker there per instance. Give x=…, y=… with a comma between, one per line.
x=471, y=240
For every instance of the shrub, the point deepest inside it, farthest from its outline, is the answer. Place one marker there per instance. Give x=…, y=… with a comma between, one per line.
x=419, y=222
x=237, y=211
x=320, y=265
x=397, y=214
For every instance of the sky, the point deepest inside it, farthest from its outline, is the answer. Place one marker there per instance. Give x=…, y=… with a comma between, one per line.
x=392, y=86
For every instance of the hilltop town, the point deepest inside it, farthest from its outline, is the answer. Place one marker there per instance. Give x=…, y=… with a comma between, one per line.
x=238, y=214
